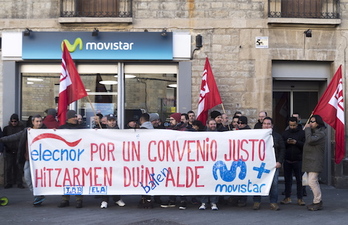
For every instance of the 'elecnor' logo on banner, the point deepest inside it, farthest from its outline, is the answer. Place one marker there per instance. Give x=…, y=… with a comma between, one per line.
x=42, y=154
x=97, y=46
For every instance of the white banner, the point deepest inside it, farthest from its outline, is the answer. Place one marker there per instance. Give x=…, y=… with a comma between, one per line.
x=153, y=162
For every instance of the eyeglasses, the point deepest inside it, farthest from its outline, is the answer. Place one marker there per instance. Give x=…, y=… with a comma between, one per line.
x=240, y=123
x=312, y=121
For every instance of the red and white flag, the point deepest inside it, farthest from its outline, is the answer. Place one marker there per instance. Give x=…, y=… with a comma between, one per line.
x=209, y=95
x=71, y=87
x=331, y=108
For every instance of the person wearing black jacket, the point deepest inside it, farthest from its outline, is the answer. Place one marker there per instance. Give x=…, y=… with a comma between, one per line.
x=294, y=139
x=13, y=171
x=23, y=154
x=279, y=151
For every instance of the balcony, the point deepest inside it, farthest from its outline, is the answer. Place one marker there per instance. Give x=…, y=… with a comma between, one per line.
x=304, y=11
x=95, y=11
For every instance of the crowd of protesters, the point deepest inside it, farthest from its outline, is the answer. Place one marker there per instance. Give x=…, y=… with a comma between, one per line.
x=298, y=149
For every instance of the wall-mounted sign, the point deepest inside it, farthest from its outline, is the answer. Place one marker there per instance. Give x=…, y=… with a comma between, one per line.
x=105, y=46
x=261, y=42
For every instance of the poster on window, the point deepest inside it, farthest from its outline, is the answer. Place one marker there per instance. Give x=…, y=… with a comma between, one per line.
x=152, y=162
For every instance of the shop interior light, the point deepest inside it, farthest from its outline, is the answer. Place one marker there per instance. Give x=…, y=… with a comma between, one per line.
x=127, y=76
x=108, y=82
x=173, y=85
x=95, y=32
x=34, y=79
x=30, y=82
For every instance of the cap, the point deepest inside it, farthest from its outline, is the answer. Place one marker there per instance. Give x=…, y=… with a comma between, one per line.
x=243, y=119
x=71, y=114
x=215, y=114
x=52, y=112
x=176, y=116
x=111, y=117
x=14, y=116
x=154, y=116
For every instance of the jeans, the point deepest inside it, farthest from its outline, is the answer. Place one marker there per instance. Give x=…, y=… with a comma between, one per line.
x=27, y=175
x=213, y=199
x=291, y=168
x=273, y=193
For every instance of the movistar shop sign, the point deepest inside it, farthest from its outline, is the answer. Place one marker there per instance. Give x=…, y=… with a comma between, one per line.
x=105, y=46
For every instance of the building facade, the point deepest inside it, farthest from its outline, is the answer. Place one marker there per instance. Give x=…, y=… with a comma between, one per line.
x=271, y=55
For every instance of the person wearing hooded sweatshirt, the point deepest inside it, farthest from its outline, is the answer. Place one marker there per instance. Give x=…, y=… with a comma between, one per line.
x=50, y=120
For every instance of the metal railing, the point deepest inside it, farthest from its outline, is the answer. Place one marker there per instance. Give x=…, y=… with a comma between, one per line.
x=319, y=9
x=96, y=8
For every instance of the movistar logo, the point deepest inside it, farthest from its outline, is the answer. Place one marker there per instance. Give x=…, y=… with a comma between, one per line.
x=72, y=47
x=98, y=46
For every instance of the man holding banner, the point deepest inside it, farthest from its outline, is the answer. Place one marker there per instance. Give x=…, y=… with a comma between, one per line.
x=279, y=148
x=23, y=155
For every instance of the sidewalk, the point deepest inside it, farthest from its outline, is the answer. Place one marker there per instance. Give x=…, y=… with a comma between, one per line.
x=21, y=211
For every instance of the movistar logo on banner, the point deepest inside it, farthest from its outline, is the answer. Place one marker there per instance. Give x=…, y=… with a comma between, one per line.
x=105, y=46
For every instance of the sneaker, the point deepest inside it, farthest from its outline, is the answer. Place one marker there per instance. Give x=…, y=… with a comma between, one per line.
x=183, y=205
x=301, y=202
x=79, y=204
x=315, y=206
x=20, y=186
x=202, y=207
x=63, y=203
x=214, y=207
x=170, y=204
x=286, y=201
x=274, y=206
x=104, y=205
x=38, y=200
x=257, y=205
x=120, y=203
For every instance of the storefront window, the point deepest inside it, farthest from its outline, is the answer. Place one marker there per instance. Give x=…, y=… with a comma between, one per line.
x=40, y=92
x=151, y=93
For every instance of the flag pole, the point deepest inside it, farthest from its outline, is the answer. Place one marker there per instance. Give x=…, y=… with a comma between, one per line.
x=90, y=102
x=223, y=109
x=308, y=120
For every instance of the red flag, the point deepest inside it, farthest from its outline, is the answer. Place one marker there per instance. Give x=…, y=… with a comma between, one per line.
x=331, y=108
x=71, y=87
x=209, y=95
